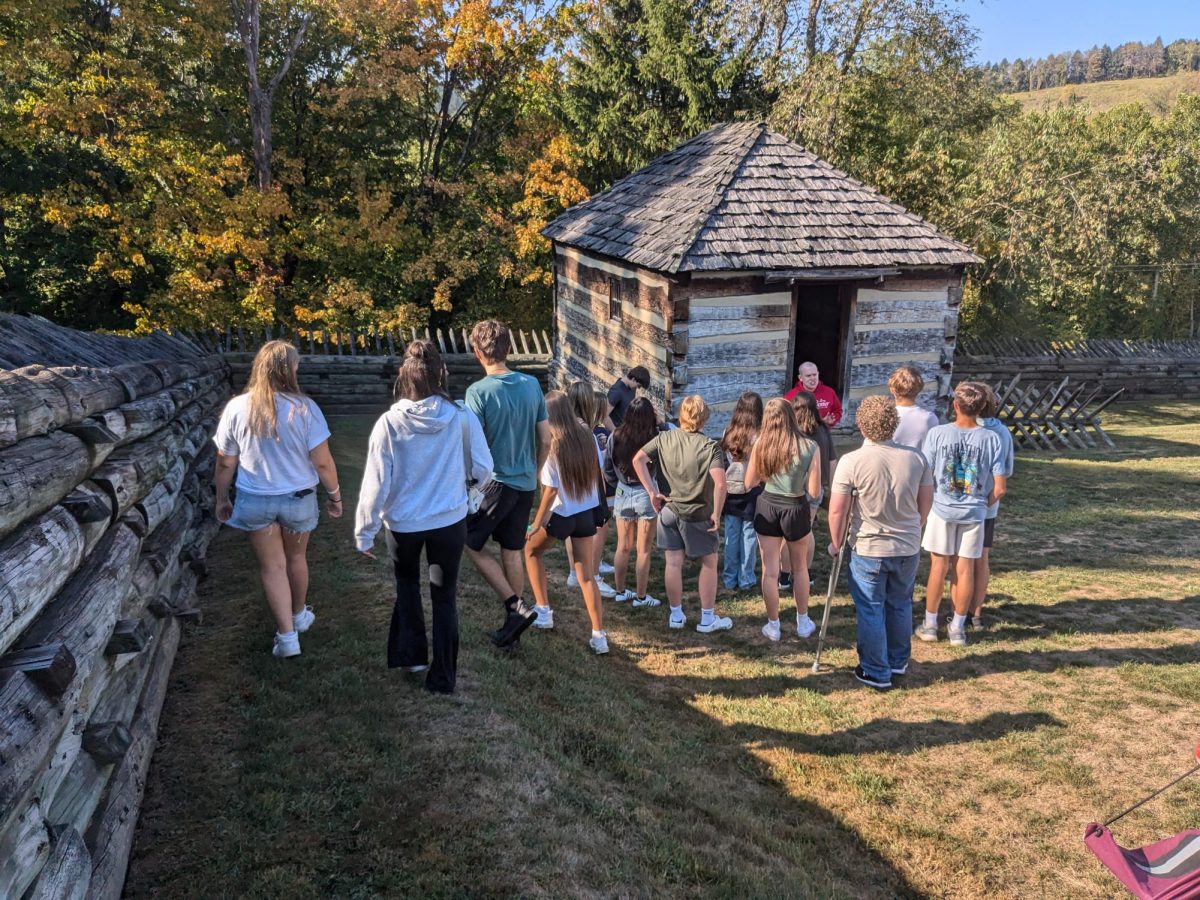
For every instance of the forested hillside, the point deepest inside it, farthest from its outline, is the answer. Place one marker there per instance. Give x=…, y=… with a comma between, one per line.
x=1129, y=60
x=338, y=162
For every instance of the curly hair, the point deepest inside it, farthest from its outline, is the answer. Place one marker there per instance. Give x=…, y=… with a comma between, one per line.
x=877, y=418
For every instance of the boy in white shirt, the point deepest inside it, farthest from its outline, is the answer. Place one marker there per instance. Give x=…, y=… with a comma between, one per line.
x=906, y=385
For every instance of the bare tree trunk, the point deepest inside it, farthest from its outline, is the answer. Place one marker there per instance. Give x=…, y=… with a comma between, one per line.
x=810, y=31
x=247, y=17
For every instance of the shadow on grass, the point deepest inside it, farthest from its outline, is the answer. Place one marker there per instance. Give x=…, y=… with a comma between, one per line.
x=551, y=773
x=1016, y=621
x=893, y=736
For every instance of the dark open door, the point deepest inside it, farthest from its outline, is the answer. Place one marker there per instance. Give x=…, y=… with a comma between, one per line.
x=821, y=323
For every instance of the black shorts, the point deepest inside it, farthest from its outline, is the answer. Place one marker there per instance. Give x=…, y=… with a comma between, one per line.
x=989, y=532
x=580, y=525
x=603, y=513
x=782, y=517
x=503, y=515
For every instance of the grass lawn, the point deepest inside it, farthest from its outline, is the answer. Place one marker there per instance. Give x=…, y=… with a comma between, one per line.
x=687, y=765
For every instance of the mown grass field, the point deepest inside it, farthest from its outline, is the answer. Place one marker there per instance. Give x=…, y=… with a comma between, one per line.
x=685, y=765
x=1158, y=95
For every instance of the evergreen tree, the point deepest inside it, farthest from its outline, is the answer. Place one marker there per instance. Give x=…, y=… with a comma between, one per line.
x=648, y=74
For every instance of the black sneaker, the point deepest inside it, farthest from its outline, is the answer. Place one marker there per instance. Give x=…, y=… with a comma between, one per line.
x=785, y=581
x=514, y=625
x=871, y=682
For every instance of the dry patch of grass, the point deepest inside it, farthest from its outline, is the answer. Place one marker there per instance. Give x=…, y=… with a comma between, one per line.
x=1158, y=95
x=691, y=765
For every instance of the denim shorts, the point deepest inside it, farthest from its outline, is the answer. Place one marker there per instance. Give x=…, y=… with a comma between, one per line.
x=254, y=512
x=633, y=503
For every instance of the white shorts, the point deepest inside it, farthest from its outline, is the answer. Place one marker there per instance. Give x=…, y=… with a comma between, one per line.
x=944, y=538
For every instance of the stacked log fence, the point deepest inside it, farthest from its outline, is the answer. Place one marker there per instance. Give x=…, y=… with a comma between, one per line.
x=106, y=513
x=355, y=372
x=1146, y=370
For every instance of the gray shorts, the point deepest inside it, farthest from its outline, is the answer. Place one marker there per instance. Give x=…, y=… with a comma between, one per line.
x=632, y=503
x=693, y=538
x=254, y=512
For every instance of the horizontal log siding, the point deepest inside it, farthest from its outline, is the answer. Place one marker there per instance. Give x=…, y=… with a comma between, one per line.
x=736, y=333
x=580, y=325
x=592, y=346
x=907, y=320
x=639, y=288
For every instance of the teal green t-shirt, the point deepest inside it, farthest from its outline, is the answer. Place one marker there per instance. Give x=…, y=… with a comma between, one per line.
x=509, y=406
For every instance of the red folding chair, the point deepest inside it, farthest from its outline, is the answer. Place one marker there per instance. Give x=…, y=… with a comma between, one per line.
x=1165, y=870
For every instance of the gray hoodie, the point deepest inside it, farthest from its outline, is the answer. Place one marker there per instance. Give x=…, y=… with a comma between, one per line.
x=414, y=478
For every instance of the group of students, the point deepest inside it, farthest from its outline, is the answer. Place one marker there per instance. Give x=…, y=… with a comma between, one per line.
x=444, y=477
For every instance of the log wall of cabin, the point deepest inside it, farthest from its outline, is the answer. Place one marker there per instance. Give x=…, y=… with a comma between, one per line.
x=592, y=345
x=907, y=319
x=734, y=333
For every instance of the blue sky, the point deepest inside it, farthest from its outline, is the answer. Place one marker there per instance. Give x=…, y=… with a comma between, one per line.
x=1025, y=28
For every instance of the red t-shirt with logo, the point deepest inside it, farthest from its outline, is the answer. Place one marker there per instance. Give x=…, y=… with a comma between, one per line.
x=827, y=400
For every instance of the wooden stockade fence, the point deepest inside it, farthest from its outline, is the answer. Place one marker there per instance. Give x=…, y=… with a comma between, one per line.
x=1144, y=369
x=370, y=341
x=362, y=382
x=1054, y=416
x=106, y=513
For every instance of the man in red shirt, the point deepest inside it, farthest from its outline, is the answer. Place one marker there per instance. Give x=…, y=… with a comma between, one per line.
x=828, y=404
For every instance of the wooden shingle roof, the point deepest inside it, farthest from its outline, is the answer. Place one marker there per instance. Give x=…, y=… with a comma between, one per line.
x=741, y=197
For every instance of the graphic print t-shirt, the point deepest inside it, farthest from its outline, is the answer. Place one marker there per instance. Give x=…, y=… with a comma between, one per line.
x=964, y=463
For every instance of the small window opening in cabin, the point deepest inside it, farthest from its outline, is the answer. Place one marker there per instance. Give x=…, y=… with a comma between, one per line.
x=614, y=298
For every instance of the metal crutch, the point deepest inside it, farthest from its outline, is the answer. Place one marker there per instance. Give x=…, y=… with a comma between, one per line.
x=833, y=580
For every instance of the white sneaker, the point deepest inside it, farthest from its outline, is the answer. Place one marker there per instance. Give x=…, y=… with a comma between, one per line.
x=545, y=618
x=648, y=600
x=286, y=645
x=771, y=631
x=677, y=621
x=572, y=580
x=718, y=623
x=958, y=636
x=606, y=589
x=804, y=625
x=605, y=568
x=302, y=621
x=414, y=670
x=625, y=596
x=599, y=643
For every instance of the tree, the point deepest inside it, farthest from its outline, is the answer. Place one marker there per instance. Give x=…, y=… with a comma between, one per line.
x=650, y=73
x=247, y=18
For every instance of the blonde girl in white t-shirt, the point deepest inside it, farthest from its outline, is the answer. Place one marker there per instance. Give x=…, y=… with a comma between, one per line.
x=570, y=494
x=277, y=442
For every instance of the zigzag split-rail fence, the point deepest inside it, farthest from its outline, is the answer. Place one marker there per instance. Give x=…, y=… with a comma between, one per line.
x=1052, y=393
x=106, y=513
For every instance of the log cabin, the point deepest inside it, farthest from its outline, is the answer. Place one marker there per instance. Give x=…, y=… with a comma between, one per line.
x=725, y=263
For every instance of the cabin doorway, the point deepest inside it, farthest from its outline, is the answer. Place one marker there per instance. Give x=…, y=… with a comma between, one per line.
x=821, y=323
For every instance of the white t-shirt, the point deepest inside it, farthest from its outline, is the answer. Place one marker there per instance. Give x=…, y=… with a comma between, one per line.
x=915, y=422
x=565, y=505
x=270, y=465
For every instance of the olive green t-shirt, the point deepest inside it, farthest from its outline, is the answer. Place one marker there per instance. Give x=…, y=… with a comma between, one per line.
x=683, y=459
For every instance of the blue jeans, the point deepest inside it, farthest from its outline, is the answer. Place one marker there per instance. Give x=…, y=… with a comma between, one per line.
x=882, y=589
x=741, y=553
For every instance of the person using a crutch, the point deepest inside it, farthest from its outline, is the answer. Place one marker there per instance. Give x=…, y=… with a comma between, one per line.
x=892, y=489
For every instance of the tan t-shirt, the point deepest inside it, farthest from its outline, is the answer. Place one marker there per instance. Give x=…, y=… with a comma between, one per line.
x=887, y=476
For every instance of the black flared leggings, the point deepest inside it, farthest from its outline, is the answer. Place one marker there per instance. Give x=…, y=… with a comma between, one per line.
x=407, y=643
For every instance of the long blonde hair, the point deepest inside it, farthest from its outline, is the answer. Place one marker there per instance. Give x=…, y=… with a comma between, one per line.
x=780, y=440
x=273, y=372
